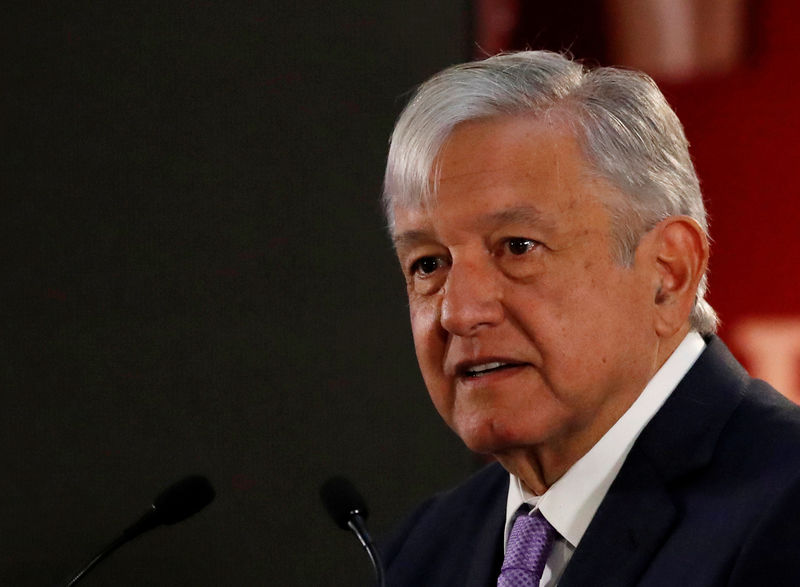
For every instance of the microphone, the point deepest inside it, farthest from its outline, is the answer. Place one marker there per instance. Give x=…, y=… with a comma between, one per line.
x=349, y=510
x=176, y=503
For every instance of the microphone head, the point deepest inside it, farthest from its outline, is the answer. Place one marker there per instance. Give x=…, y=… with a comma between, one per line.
x=183, y=499
x=342, y=501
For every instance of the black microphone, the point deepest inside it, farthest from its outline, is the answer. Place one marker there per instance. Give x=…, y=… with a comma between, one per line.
x=349, y=510
x=176, y=503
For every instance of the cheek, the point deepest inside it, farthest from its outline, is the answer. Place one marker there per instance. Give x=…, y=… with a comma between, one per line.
x=430, y=346
x=572, y=316
x=424, y=316
x=424, y=328
x=600, y=319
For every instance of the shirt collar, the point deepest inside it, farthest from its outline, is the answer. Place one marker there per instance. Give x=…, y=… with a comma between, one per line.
x=571, y=502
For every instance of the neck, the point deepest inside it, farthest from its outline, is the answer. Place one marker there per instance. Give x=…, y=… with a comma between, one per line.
x=539, y=466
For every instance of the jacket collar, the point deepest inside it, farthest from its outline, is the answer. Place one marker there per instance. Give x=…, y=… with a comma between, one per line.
x=638, y=512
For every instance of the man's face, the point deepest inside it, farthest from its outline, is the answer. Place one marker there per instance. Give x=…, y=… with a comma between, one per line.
x=529, y=335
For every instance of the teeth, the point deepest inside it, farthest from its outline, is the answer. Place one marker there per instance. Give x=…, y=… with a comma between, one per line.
x=476, y=369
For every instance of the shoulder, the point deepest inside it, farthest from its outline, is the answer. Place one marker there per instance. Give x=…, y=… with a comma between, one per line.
x=721, y=418
x=739, y=455
x=449, y=527
x=765, y=434
x=762, y=438
x=764, y=426
x=718, y=410
x=484, y=490
x=768, y=555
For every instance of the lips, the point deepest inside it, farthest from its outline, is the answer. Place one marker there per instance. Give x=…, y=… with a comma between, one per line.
x=475, y=369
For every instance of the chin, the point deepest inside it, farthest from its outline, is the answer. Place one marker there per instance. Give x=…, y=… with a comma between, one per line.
x=489, y=436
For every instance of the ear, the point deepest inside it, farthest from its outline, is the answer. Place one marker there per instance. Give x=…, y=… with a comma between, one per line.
x=681, y=254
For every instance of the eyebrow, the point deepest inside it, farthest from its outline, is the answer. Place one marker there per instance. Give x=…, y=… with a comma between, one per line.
x=409, y=238
x=515, y=215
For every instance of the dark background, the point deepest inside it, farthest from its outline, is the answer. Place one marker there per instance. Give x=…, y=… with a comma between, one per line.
x=197, y=279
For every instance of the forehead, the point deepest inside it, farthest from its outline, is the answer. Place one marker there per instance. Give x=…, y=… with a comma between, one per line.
x=513, y=169
x=513, y=146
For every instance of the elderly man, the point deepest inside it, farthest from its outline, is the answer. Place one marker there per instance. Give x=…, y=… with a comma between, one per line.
x=550, y=227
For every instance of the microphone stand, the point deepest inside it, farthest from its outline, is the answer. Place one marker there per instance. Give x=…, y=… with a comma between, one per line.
x=147, y=522
x=176, y=503
x=100, y=556
x=356, y=524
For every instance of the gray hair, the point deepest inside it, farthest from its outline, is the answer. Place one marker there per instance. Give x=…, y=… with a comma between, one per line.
x=629, y=135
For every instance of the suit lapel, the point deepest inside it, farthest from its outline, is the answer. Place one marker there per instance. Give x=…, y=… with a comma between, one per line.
x=626, y=531
x=486, y=556
x=638, y=512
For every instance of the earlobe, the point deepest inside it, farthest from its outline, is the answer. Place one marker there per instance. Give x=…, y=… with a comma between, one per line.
x=682, y=256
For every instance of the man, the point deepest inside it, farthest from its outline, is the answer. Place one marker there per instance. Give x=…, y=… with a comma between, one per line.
x=550, y=227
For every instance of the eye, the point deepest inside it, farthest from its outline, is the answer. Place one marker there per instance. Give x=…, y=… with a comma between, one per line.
x=425, y=266
x=519, y=245
x=427, y=274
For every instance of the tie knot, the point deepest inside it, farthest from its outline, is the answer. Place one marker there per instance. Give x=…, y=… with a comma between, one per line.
x=526, y=554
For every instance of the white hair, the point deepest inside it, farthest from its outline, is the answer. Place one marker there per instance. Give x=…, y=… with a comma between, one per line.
x=629, y=135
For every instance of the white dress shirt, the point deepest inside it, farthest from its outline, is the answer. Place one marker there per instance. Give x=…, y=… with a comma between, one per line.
x=571, y=502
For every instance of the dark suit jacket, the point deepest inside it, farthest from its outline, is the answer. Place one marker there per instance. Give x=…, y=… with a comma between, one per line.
x=708, y=496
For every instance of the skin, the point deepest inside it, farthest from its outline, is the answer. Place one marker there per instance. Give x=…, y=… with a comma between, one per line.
x=512, y=265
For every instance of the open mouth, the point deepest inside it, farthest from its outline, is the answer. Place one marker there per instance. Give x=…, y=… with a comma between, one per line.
x=486, y=368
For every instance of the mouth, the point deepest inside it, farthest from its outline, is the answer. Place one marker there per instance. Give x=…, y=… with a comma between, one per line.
x=476, y=370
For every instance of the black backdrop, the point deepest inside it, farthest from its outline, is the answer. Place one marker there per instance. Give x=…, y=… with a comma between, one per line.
x=196, y=279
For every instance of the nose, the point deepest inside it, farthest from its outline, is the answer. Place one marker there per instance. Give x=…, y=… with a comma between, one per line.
x=471, y=299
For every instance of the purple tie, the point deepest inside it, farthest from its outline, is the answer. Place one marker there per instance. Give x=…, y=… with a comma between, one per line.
x=528, y=548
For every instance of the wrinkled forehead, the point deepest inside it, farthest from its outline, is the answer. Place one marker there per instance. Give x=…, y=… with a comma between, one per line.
x=413, y=170
x=526, y=177
x=413, y=180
